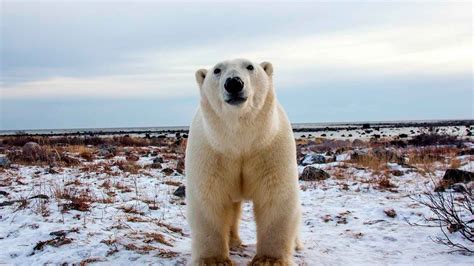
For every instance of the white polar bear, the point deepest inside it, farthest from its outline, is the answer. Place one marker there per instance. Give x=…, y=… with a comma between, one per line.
x=241, y=146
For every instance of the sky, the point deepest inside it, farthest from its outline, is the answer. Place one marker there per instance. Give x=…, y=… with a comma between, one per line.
x=89, y=64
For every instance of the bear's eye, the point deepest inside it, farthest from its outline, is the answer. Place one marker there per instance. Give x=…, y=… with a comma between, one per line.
x=250, y=67
x=217, y=71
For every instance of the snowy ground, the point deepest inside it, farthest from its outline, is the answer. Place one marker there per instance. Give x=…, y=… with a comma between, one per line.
x=134, y=218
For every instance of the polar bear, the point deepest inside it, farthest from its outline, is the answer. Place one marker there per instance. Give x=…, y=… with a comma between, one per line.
x=241, y=147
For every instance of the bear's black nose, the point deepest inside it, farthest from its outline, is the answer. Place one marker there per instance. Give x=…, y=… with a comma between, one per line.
x=234, y=85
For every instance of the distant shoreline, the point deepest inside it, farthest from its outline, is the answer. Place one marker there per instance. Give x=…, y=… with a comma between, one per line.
x=297, y=127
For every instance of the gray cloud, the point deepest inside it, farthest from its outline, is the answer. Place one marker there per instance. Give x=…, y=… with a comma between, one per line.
x=75, y=51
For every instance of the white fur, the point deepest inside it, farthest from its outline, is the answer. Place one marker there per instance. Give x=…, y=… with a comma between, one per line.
x=236, y=153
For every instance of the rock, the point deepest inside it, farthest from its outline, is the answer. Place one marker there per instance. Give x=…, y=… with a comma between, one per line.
x=458, y=176
x=388, y=155
x=439, y=188
x=40, y=196
x=32, y=151
x=459, y=187
x=4, y=162
x=390, y=212
x=180, y=166
x=106, y=150
x=132, y=157
x=397, y=173
x=156, y=165
x=180, y=191
x=167, y=171
x=313, y=158
x=466, y=152
x=313, y=174
x=403, y=136
x=158, y=159
x=357, y=143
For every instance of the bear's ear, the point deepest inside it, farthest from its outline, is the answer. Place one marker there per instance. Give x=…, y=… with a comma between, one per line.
x=268, y=67
x=200, y=76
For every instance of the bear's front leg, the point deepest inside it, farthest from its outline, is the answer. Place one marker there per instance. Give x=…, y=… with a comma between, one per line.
x=210, y=226
x=278, y=216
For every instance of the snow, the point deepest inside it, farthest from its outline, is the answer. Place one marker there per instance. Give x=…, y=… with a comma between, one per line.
x=343, y=219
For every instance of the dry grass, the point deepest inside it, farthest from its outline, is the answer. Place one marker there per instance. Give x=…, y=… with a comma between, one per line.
x=156, y=237
x=455, y=164
x=369, y=161
x=79, y=201
x=128, y=166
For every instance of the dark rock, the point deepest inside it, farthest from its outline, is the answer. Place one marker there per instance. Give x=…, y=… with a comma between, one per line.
x=106, y=150
x=396, y=173
x=458, y=176
x=40, y=196
x=365, y=126
x=4, y=162
x=466, y=152
x=434, y=139
x=158, y=159
x=156, y=165
x=390, y=212
x=7, y=203
x=313, y=158
x=459, y=187
x=313, y=174
x=180, y=165
x=32, y=151
x=4, y=193
x=167, y=171
x=180, y=191
x=403, y=136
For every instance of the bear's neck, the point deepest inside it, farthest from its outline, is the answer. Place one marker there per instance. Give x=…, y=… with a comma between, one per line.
x=239, y=134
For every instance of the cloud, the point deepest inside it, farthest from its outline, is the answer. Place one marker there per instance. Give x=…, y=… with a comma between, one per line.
x=359, y=53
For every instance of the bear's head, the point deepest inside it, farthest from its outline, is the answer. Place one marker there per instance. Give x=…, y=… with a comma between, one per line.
x=236, y=86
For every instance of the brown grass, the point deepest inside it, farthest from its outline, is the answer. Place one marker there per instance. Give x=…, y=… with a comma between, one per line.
x=156, y=237
x=374, y=163
x=79, y=201
x=128, y=166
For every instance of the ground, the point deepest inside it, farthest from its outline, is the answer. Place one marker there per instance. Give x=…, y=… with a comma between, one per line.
x=97, y=204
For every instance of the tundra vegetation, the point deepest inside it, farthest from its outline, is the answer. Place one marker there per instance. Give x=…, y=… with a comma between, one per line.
x=86, y=199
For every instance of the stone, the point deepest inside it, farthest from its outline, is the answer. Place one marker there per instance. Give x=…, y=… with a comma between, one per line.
x=313, y=174
x=180, y=191
x=4, y=162
x=313, y=158
x=32, y=151
x=458, y=176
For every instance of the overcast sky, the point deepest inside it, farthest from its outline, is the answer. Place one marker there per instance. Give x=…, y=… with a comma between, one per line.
x=79, y=64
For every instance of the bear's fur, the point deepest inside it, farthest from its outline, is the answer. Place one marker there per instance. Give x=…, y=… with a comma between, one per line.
x=241, y=152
